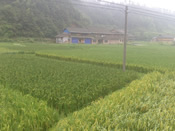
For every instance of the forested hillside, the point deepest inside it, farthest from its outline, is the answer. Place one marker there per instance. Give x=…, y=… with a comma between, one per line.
x=37, y=18
x=43, y=18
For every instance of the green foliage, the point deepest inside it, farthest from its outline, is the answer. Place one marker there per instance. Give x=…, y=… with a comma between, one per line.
x=23, y=112
x=146, y=104
x=41, y=18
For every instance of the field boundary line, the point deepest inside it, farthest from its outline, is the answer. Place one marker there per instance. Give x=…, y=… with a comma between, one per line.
x=137, y=68
x=20, y=52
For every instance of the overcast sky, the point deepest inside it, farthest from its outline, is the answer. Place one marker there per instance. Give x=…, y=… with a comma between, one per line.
x=167, y=4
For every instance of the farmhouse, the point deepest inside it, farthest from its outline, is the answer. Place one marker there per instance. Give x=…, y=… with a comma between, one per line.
x=161, y=38
x=90, y=36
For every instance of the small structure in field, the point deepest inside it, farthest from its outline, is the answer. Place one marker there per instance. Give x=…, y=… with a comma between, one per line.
x=90, y=36
x=162, y=38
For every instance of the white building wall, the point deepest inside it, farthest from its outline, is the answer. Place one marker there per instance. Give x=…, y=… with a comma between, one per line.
x=59, y=40
x=62, y=40
x=65, y=39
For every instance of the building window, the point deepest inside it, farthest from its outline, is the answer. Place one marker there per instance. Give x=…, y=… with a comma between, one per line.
x=106, y=41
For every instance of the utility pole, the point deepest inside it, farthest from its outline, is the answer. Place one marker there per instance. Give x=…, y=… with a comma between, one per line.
x=125, y=38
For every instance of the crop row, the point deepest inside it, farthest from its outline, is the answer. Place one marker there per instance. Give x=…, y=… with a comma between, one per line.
x=137, y=68
x=24, y=113
x=66, y=86
x=146, y=104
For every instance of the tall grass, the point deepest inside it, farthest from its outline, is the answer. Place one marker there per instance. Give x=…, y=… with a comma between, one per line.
x=146, y=104
x=20, y=112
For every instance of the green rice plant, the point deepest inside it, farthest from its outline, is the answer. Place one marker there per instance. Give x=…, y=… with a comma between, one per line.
x=66, y=86
x=142, y=69
x=146, y=104
x=20, y=112
x=146, y=54
x=140, y=54
x=73, y=76
x=5, y=50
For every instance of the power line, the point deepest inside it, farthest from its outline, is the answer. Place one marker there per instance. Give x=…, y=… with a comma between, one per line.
x=111, y=3
x=153, y=14
x=94, y=3
x=88, y=5
x=152, y=11
x=138, y=8
x=134, y=10
x=109, y=7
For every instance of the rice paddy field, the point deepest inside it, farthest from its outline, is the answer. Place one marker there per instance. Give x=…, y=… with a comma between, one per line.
x=138, y=53
x=45, y=86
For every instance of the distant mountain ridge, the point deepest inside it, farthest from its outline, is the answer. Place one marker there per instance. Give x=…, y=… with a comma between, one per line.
x=43, y=18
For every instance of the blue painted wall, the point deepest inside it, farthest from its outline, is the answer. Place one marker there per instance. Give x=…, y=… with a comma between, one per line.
x=88, y=41
x=75, y=40
x=66, y=31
